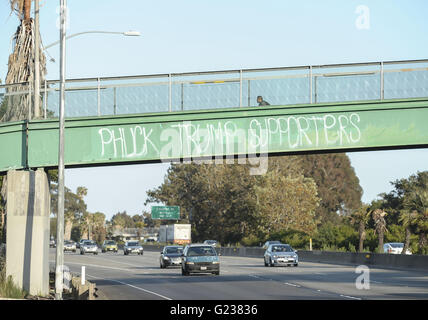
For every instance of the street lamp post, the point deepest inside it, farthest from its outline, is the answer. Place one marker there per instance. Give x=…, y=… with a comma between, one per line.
x=36, y=60
x=59, y=268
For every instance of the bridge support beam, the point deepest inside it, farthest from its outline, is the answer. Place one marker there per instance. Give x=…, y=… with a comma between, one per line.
x=27, y=234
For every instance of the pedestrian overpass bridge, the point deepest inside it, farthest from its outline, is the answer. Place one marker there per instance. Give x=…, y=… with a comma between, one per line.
x=188, y=116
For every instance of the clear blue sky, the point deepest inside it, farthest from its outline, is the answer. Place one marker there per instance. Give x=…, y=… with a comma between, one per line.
x=190, y=35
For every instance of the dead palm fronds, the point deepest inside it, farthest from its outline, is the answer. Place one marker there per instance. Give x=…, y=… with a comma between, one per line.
x=21, y=65
x=17, y=6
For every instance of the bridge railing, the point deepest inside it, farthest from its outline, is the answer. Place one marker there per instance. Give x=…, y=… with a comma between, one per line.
x=227, y=89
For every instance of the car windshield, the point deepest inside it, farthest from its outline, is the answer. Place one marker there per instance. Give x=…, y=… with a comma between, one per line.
x=89, y=243
x=173, y=250
x=110, y=242
x=210, y=242
x=201, y=251
x=68, y=242
x=397, y=245
x=133, y=244
x=283, y=248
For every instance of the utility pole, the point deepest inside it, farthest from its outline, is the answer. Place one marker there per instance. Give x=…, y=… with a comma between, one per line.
x=37, y=61
x=59, y=270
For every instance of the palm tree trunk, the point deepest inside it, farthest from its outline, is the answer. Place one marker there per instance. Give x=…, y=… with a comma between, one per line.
x=362, y=232
x=422, y=242
x=406, y=241
x=380, y=243
x=27, y=10
x=89, y=231
x=67, y=229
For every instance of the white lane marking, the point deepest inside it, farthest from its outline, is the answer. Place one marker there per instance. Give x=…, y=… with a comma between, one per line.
x=375, y=281
x=120, y=262
x=349, y=297
x=292, y=284
x=97, y=266
x=132, y=286
x=261, y=278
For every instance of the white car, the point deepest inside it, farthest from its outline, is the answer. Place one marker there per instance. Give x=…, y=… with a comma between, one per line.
x=212, y=243
x=394, y=248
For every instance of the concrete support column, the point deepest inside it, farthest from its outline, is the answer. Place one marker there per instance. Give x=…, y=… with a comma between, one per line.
x=27, y=233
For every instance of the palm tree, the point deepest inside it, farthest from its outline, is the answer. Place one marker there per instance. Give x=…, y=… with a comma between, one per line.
x=380, y=226
x=407, y=219
x=417, y=201
x=361, y=217
x=21, y=64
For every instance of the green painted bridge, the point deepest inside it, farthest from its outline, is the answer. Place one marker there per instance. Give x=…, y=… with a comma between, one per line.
x=204, y=134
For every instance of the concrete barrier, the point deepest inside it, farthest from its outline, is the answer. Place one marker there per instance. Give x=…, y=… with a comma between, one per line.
x=398, y=261
x=85, y=291
x=395, y=261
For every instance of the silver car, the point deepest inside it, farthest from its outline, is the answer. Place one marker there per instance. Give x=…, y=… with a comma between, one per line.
x=132, y=247
x=88, y=246
x=69, y=245
x=280, y=254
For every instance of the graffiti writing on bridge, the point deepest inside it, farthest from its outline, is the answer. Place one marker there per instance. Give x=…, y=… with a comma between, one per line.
x=191, y=139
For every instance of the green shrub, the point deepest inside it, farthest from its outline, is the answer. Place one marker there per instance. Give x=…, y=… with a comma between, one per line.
x=296, y=239
x=352, y=248
x=341, y=237
x=334, y=249
x=250, y=241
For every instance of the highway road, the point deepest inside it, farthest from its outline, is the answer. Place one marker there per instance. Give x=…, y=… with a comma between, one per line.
x=136, y=277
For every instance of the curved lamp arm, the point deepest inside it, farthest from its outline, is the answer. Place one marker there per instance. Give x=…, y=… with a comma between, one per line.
x=127, y=33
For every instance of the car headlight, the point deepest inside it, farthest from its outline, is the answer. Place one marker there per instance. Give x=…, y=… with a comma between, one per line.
x=274, y=256
x=166, y=258
x=216, y=262
x=189, y=262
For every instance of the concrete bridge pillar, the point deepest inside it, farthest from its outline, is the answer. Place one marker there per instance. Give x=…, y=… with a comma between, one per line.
x=27, y=230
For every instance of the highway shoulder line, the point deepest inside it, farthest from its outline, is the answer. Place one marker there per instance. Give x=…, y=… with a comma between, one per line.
x=132, y=286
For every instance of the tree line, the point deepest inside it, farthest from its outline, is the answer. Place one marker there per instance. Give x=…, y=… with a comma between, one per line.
x=226, y=203
x=304, y=197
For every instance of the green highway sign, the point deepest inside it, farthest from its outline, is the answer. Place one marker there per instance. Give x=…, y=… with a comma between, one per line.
x=166, y=212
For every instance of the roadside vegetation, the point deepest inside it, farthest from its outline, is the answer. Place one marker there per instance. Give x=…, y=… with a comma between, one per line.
x=306, y=197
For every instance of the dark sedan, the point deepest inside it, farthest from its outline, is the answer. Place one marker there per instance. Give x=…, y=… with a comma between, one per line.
x=171, y=256
x=200, y=258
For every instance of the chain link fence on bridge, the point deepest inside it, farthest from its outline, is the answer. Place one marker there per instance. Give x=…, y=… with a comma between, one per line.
x=226, y=89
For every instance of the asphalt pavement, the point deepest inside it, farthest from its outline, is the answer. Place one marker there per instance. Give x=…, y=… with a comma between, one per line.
x=134, y=277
